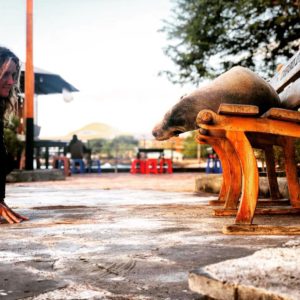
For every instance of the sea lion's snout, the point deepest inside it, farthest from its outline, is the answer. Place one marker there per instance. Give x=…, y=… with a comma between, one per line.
x=155, y=133
x=158, y=133
x=162, y=134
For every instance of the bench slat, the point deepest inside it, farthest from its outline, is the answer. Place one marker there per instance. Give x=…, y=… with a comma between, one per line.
x=238, y=109
x=290, y=96
x=288, y=73
x=283, y=115
x=261, y=230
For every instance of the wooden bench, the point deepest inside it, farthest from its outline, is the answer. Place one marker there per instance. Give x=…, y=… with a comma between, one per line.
x=235, y=130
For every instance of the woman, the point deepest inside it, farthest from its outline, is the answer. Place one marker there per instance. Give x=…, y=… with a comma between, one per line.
x=9, y=74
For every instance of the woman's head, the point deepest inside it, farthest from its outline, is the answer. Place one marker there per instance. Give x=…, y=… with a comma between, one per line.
x=9, y=78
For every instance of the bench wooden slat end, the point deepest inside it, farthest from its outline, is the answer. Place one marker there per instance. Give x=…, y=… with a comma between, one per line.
x=238, y=109
x=260, y=230
x=282, y=115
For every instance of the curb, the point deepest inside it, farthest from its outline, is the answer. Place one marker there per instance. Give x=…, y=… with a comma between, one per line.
x=211, y=183
x=204, y=284
x=35, y=175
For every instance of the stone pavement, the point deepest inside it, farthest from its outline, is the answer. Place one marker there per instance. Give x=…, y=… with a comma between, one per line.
x=116, y=236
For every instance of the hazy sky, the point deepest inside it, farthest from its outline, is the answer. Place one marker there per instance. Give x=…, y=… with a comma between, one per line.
x=110, y=50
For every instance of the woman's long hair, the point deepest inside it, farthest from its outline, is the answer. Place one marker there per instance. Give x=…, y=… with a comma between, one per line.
x=8, y=105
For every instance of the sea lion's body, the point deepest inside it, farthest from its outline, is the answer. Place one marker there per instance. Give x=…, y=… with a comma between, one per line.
x=236, y=86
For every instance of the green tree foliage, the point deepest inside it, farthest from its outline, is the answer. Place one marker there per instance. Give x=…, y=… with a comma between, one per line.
x=123, y=145
x=96, y=145
x=279, y=156
x=190, y=147
x=297, y=146
x=207, y=37
x=13, y=145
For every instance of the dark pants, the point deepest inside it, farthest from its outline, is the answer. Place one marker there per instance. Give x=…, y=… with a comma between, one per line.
x=4, y=163
x=6, y=166
x=3, y=172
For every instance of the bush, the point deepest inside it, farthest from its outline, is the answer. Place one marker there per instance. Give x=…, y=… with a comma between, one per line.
x=13, y=145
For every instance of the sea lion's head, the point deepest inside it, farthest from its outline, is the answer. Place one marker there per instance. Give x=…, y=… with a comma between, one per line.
x=179, y=119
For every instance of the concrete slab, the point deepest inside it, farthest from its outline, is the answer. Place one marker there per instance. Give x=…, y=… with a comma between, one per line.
x=35, y=175
x=266, y=274
x=116, y=236
x=211, y=183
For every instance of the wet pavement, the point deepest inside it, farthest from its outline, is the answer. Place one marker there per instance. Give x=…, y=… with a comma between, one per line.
x=115, y=236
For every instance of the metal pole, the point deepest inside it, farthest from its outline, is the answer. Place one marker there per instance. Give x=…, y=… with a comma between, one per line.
x=199, y=153
x=29, y=88
x=116, y=158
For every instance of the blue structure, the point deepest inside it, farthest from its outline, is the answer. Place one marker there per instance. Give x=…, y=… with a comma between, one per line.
x=213, y=165
x=75, y=163
x=97, y=163
x=79, y=162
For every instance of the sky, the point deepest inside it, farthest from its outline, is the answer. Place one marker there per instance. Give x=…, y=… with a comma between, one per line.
x=111, y=50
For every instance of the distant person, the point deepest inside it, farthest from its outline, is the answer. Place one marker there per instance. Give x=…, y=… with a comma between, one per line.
x=9, y=75
x=162, y=162
x=76, y=148
x=138, y=155
x=88, y=159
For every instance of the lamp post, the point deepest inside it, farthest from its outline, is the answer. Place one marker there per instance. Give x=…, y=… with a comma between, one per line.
x=29, y=88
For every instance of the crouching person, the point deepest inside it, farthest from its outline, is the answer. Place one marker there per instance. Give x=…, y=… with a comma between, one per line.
x=9, y=74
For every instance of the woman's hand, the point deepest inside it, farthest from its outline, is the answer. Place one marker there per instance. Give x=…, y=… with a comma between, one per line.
x=9, y=215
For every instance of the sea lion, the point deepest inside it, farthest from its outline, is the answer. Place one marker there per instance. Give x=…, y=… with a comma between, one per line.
x=239, y=85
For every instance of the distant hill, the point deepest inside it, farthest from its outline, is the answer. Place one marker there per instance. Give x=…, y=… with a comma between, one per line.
x=95, y=131
x=91, y=131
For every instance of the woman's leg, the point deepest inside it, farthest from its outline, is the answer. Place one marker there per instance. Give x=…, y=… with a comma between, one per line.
x=3, y=171
x=5, y=212
x=2, y=182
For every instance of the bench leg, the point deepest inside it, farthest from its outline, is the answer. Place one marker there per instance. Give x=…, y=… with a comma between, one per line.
x=271, y=171
x=235, y=174
x=217, y=146
x=226, y=178
x=291, y=171
x=232, y=175
x=226, y=182
x=248, y=163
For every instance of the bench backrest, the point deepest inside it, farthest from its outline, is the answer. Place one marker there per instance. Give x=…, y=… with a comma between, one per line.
x=286, y=82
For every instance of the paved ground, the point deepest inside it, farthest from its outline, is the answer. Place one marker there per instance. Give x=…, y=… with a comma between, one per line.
x=115, y=236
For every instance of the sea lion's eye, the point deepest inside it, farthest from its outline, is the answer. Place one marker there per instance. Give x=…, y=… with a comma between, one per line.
x=176, y=121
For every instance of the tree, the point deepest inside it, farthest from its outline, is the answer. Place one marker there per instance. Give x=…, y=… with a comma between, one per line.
x=124, y=145
x=190, y=147
x=208, y=37
x=96, y=145
x=14, y=146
